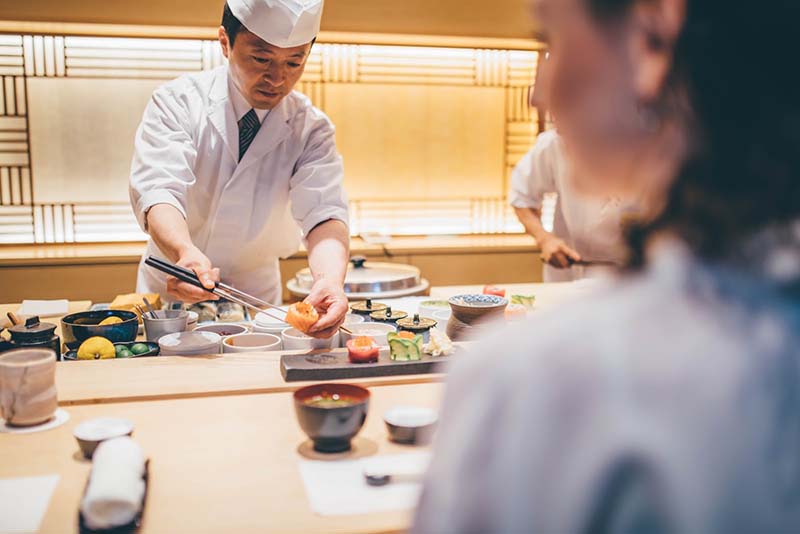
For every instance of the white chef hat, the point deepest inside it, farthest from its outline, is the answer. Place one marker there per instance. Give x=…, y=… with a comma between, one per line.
x=283, y=23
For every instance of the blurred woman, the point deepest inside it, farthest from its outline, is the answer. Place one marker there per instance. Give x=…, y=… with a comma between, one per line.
x=670, y=402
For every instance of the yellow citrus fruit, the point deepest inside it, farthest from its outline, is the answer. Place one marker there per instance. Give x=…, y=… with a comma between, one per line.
x=96, y=348
x=110, y=320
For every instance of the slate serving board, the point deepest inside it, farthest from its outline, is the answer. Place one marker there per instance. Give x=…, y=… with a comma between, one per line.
x=335, y=365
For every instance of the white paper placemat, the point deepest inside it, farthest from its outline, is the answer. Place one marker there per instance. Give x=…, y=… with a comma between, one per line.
x=23, y=502
x=339, y=487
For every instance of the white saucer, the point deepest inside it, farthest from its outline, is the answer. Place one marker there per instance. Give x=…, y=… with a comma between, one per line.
x=61, y=416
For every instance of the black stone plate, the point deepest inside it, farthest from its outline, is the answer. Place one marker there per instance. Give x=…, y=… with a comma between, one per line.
x=336, y=365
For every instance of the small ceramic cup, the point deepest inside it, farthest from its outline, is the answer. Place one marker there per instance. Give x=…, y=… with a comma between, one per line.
x=250, y=343
x=293, y=339
x=27, y=386
x=156, y=328
x=224, y=329
x=376, y=331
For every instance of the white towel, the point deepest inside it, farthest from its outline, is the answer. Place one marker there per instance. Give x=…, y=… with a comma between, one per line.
x=44, y=308
x=116, y=487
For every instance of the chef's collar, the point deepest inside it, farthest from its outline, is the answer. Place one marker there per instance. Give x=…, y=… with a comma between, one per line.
x=240, y=105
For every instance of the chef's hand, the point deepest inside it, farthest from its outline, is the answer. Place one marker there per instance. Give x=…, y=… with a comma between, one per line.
x=556, y=253
x=195, y=260
x=328, y=297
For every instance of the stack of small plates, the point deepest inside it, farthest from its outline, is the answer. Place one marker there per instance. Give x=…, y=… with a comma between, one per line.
x=190, y=344
x=267, y=324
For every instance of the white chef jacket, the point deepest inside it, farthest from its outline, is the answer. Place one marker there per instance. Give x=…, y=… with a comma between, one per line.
x=243, y=215
x=588, y=225
x=669, y=399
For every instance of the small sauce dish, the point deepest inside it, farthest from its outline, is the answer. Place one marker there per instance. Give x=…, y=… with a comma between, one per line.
x=410, y=424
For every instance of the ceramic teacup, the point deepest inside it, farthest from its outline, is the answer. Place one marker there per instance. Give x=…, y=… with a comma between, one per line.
x=28, y=386
x=293, y=339
x=251, y=343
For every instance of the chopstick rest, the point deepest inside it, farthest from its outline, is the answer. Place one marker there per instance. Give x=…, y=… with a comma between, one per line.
x=115, y=493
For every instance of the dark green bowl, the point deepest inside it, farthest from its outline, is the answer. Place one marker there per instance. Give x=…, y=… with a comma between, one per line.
x=78, y=327
x=72, y=355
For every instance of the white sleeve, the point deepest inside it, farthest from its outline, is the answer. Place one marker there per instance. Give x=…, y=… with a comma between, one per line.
x=534, y=175
x=316, y=187
x=164, y=156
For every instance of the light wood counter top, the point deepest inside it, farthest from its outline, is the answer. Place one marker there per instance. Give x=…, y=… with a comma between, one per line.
x=177, y=377
x=225, y=464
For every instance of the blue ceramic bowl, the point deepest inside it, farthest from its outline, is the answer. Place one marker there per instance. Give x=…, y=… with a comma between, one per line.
x=78, y=327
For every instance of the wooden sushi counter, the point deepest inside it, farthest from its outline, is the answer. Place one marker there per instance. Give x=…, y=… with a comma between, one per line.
x=221, y=434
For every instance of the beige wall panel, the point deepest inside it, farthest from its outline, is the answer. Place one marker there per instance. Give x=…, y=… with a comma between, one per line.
x=101, y=282
x=412, y=141
x=501, y=18
x=82, y=133
x=469, y=269
x=98, y=283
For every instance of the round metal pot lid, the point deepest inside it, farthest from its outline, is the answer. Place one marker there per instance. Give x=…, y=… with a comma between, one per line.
x=365, y=277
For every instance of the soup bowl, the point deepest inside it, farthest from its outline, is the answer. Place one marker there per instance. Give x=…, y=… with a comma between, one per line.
x=331, y=414
x=78, y=327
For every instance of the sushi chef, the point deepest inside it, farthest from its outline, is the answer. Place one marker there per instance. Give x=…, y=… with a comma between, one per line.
x=587, y=236
x=231, y=167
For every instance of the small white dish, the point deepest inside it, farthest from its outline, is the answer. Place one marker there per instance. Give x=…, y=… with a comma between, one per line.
x=90, y=433
x=251, y=343
x=190, y=343
x=442, y=316
x=353, y=318
x=428, y=307
x=376, y=331
x=410, y=424
x=191, y=320
x=223, y=329
x=293, y=339
x=267, y=324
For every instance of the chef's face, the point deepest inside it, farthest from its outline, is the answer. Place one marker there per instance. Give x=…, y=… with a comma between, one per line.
x=596, y=81
x=263, y=73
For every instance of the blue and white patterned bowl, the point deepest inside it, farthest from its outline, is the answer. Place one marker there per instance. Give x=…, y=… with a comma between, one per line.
x=470, y=309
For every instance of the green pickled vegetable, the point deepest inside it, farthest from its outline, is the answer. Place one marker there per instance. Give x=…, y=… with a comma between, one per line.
x=524, y=300
x=139, y=348
x=404, y=348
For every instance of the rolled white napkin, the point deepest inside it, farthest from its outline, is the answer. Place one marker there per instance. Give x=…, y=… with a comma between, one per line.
x=116, y=487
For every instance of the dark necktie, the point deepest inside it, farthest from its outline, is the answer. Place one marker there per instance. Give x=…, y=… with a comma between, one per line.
x=248, y=128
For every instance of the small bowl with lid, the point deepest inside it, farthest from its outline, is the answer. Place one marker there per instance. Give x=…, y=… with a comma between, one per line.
x=366, y=307
x=388, y=315
x=417, y=325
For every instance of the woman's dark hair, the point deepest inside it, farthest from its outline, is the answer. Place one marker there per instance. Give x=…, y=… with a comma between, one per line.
x=737, y=63
x=231, y=24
